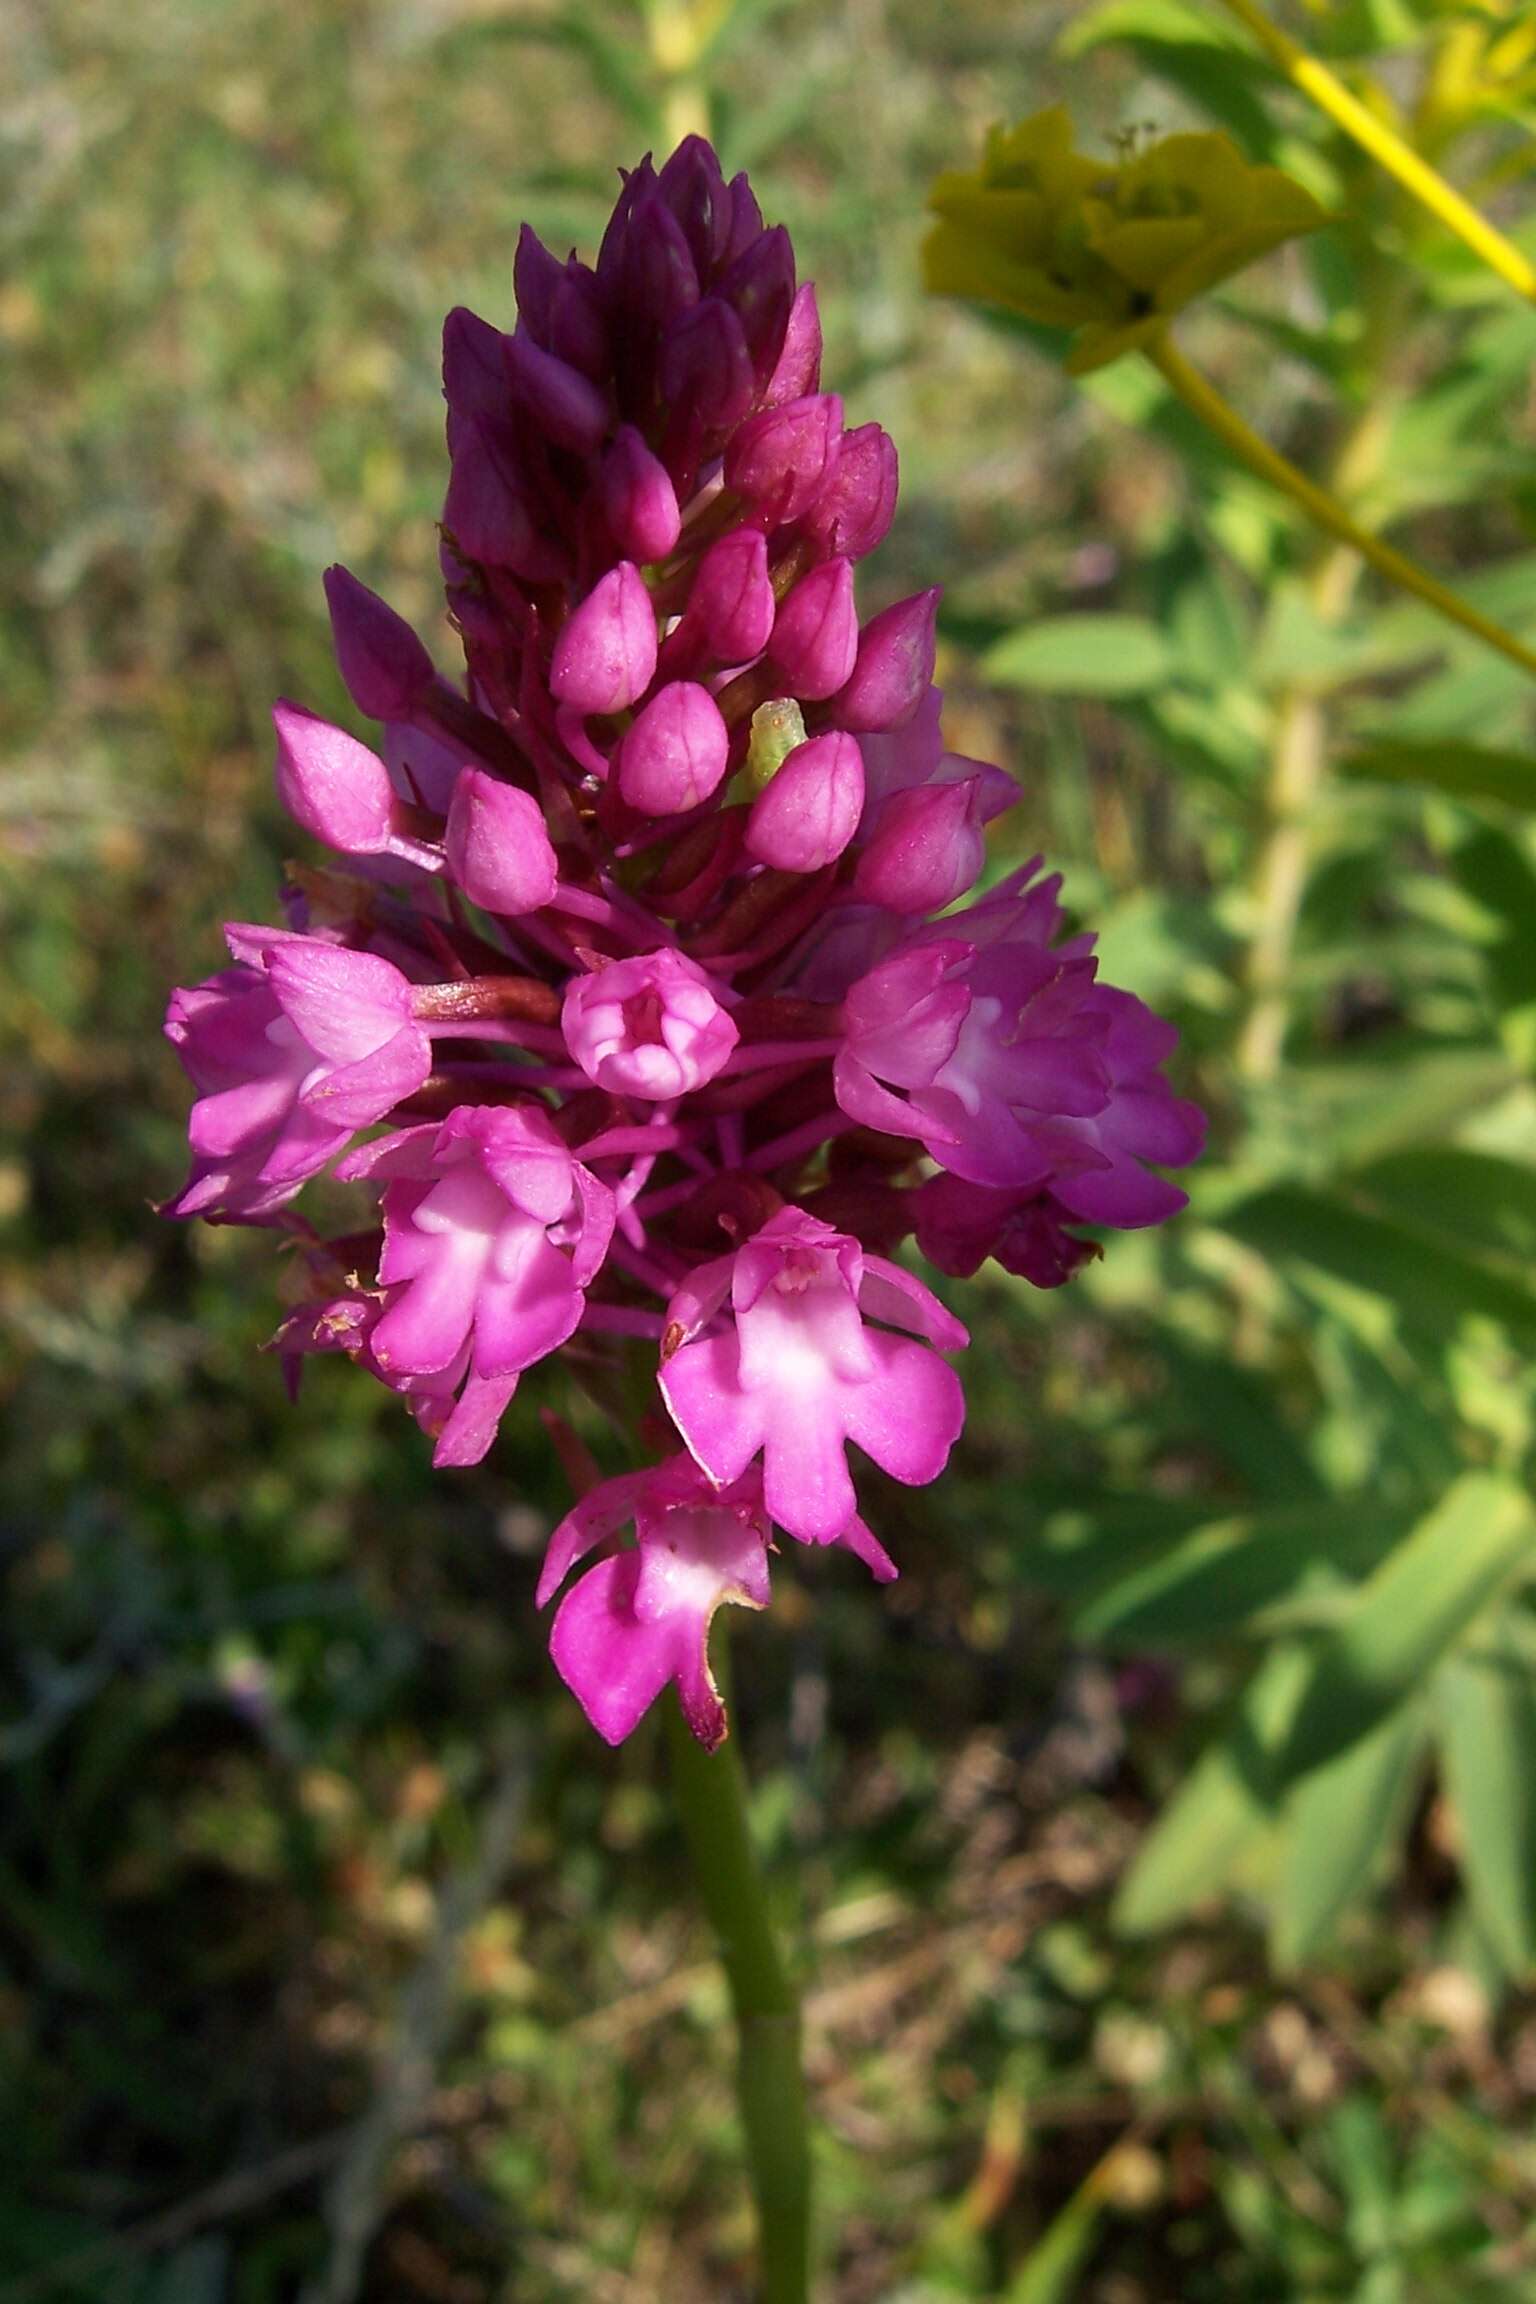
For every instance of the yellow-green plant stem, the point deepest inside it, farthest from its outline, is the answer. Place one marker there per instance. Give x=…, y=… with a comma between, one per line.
x=711, y=1794
x=1298, y=770
x=1298, y=767
x=1386, y=147
x=677, y=34
x=1203, y=401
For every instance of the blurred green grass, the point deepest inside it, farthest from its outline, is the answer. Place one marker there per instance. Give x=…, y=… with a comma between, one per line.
x=259, y=1664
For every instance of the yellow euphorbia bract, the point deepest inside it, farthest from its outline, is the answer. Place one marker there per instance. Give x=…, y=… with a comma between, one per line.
x=1113, y=249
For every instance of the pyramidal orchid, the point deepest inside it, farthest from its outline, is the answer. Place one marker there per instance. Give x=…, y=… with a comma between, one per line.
x=658, y=894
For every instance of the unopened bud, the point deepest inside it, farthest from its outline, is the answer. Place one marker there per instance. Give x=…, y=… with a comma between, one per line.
x=732, y=598
x=927, y=848
x=474, y=366
x=810, y=811
x=606, y=653
x=760, y=286
x=330, y=784
x=798, y=370
x=638, y=499
x=894, y=667
x=488, y=513
x=675, y=754
x=706, y=369
x=816, y=634
x=694, y=189
x=780, y=460
x=386, y=668
x=856, y=506
x=565, y=405
x=498, y=848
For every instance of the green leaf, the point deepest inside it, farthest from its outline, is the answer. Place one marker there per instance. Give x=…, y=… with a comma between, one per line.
x=1082, y=656
x=1486, y=1205
x=1222, y=1575
x=1407, y=1091
x=1463, y=771
x=1430, y=1285
x=1410, y=1615
x=1146, y=20
x=1339, y=1822
x=1234, y=1410
x=1486, y=1703
x=1225, y=1805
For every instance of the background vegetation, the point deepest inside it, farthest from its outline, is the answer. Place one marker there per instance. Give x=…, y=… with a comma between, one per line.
x=1162, y=1849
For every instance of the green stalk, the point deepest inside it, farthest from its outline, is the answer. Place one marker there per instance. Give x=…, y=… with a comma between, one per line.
x=1373, y=132
x=711, y=1793
x=1206, y=404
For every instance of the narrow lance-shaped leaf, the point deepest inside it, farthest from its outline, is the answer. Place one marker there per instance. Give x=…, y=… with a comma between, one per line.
x=1221, y=1811
x=1228, y=1571
x=1082, y=656
x=1462, y=771
x=1486, y=1706
x=1339, y=1822
x=1410, y=1615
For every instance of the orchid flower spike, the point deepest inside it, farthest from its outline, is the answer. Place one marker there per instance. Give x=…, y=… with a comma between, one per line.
x=634, y=1007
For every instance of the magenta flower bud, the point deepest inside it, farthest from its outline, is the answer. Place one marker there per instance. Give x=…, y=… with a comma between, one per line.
x=798, y=370
x=732, y=597
x=706, y=369
x=693, y=186
x=386, y=668
x=638, y=499
x=780, y=460
x=928, y=847
x=856, y=507
x=578, y=324
x=894, y=668
x=654, y=275
x=760, y=285
x=651, y=1027
x=675, y=755
x=606, y=653
x=565, y=405
x=810, y=811
x=815, y=640
x=559, y=306
x=474, y=367
x=330, y=784
x=490, y=514
x=536, y=274
x=746, y=217
x=497, y=846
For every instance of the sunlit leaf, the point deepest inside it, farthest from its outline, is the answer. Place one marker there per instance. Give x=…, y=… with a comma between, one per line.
x=1223, y=1807
x=1339, y=1823
x=1215, y=1581
x=1464, y=771
x=1410, y=1615
x=1082, y=656
x=1486, y=1707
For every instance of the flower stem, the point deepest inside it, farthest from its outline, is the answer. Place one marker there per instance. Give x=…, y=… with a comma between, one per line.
x=1297, y=780
x=1205, y=403
x=711, y=1793
x=1387, y=148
